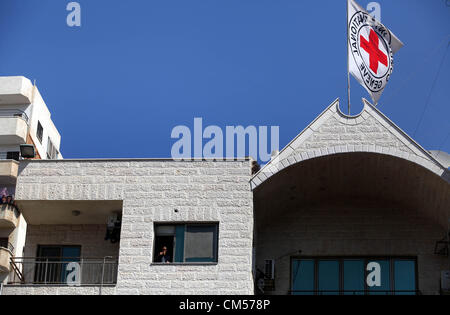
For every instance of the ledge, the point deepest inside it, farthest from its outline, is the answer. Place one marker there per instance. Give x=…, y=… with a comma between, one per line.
x=185, y=264
x=9, y=216
x=9, y=170
x=19, y=285
x=144, y=160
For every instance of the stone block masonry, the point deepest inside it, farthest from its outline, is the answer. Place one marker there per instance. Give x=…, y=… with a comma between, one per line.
x=151, y=190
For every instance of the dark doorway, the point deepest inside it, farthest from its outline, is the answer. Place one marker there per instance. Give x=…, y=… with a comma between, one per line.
x=160, y=242
x=52, y=261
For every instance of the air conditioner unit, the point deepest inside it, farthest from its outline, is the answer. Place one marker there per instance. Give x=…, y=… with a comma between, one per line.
x=445, y=280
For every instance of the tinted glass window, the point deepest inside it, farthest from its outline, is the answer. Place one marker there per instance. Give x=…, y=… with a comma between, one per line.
x=328, y=277
x=186, y=243
x=303, y=277
x=354, y=280
x=354, y=276
x=404, y=277
x=39, y=132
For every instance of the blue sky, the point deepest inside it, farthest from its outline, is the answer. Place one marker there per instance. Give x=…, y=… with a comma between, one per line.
x=135, y=69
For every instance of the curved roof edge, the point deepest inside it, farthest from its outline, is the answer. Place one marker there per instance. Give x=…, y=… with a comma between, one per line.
x=288, y=156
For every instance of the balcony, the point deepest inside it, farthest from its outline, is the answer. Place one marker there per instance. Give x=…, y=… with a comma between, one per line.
x=13, y=127
x=53, y=271
x=8, y=171
x=69, y=248
x=5, y=257
x=15, y=90
x=9, y=216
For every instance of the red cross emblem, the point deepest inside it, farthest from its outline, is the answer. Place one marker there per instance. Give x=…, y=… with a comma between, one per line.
x=375, y=54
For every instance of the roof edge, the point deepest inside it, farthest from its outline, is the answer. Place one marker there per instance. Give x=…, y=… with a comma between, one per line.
x=403, y=133
x=141, y=159
x=327, y=109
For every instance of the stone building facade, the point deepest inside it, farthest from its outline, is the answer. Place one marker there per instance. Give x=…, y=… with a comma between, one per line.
x=152, y=191
x=347, y=191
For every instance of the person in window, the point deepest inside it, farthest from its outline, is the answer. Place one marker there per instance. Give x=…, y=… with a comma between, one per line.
x=163, y=256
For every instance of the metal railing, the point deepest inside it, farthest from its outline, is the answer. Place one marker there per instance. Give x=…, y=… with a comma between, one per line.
x=61, y=271
x=355, y=292
x=8, y=113
x=6, y=156
x=7, y=245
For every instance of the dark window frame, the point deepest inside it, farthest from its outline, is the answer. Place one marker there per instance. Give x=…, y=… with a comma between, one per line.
x=40, y=246
x=52, y=152
x=366, y=259
x=13, y=155
x=188, y=223
x=39, y=131
x=55, y=276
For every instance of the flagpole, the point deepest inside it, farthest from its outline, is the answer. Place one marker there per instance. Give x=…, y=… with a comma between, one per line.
x=348, y=66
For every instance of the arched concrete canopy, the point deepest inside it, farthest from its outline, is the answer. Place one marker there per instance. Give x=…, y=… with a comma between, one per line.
x=333, y=132
x=352, y=204
x=382, y=179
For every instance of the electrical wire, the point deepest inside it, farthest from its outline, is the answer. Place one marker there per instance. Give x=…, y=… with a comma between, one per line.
x=413, y=74
x=439, y=151
x=431, y=91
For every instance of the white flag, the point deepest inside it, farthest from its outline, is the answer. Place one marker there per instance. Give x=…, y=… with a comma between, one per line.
x=371, y=47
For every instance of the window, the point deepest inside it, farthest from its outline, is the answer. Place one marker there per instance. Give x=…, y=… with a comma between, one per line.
x=52, y=153
x=39, y=132
x=303, y=276
x=328, y=276
x=186, y=243
x=347, y=276
x=353, y=277
x=52, y=261
x=13, y=156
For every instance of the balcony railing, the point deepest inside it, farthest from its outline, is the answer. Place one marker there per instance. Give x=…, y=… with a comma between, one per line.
x=63, y=271
x=8, y=113
x=6, y=156
x=7, y=245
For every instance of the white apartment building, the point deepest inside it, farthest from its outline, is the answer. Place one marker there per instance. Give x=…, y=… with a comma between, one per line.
x=347, y=192
x=24, y=119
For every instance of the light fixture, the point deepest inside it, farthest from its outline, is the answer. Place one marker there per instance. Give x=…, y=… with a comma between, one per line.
x=27, y=151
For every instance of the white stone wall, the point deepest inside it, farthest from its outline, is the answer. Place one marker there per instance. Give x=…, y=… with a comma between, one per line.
x=335, y=132
x=58, y=290
x=202, y=191
x=40, y=113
